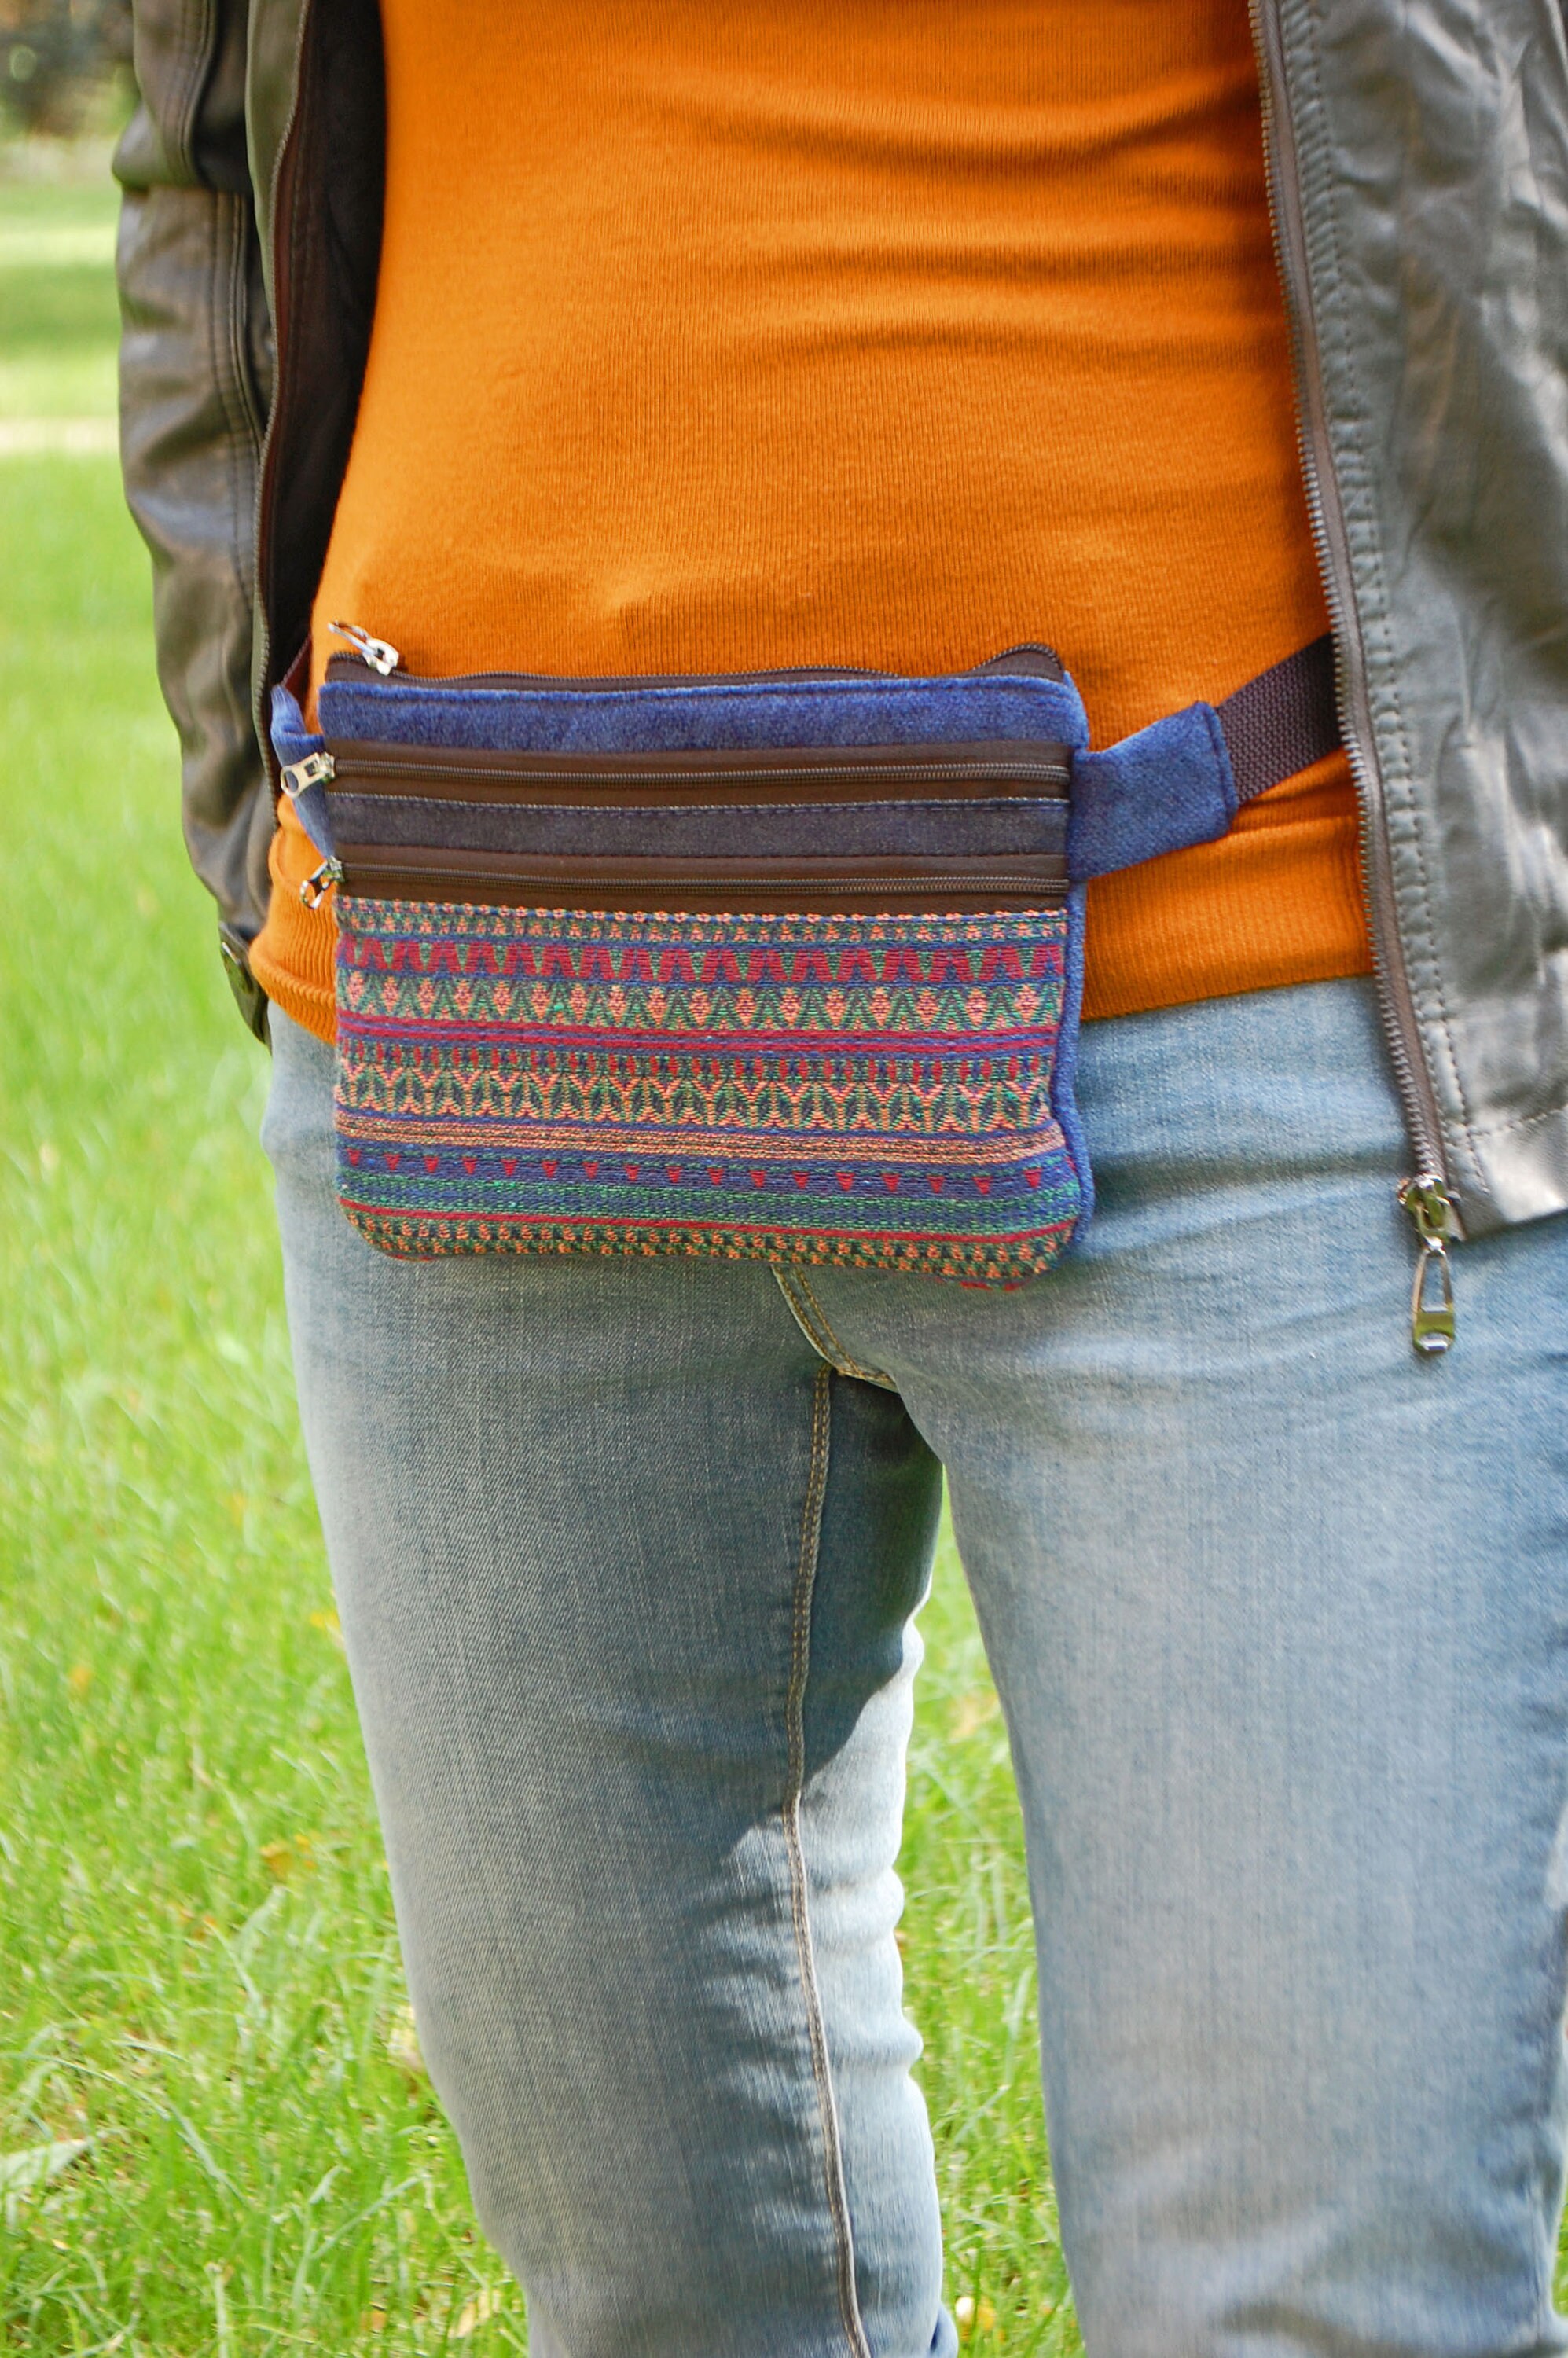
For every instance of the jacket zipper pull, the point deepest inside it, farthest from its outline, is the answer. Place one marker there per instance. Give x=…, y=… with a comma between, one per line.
x=318, y=883
x=1432, y=1297
x=374, y=652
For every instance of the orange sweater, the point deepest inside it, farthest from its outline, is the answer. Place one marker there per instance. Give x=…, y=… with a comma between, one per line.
x=877, y=331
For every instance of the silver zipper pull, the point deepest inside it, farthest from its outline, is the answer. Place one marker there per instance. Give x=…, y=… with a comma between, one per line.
x=1432, y=1297
x=374, y=652
x=320, y=883
x=313, y=771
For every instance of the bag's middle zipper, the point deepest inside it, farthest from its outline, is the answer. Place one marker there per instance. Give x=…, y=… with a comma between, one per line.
x=1048, y=767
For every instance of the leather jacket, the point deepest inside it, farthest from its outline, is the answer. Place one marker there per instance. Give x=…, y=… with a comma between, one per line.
x=1418, y=172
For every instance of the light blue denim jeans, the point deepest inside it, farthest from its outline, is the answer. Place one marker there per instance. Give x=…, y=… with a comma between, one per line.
x=627, y=1552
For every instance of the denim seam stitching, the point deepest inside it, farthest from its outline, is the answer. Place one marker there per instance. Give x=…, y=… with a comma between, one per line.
x=795, y=1722
x=820, y=1332
x=800, y=1310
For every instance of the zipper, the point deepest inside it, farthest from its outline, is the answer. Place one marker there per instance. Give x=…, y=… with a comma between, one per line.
x=1425, y=1196
x=385, y=659
x=376, y=653
x=320, y=883
x=362, y=767
x=378, y=656
x=592, y=884
x=268, y=473
x=1043, y=885
x=296, y=777
x=1432, y=1295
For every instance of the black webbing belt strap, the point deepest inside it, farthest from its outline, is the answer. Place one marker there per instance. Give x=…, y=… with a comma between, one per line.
x=1283, y=720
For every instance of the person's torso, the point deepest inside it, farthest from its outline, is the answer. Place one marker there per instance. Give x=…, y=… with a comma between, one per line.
x=889, y=334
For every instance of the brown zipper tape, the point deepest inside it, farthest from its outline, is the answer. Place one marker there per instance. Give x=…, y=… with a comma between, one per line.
x=840, y=773
x=862, y=886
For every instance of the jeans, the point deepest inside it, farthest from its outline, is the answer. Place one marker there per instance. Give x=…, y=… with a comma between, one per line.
x=627, y=1554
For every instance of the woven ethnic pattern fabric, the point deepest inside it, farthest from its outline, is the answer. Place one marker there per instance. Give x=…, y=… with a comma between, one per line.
x=859, y=1090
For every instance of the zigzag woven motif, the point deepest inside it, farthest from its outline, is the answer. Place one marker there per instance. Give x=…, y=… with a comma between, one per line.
x=873, y=1092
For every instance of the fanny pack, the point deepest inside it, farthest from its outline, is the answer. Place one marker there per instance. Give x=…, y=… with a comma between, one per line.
x=781, y=966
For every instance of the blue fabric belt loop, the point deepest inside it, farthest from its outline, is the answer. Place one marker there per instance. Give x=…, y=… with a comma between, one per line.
x=1169, y=786
x=293, y=743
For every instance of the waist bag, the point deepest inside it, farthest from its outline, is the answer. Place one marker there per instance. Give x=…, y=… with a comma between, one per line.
x=782, y=965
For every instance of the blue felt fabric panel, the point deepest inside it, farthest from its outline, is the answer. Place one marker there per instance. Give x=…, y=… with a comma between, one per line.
x=292, y=741
x=725, y=831
x=1162, y=790
x=871, y=711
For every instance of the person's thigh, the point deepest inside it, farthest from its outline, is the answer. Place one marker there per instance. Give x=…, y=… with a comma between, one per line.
x=1280, y=1615
x=626, y=1577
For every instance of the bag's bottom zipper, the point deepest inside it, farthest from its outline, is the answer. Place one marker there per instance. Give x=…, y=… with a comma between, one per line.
x=810, y=887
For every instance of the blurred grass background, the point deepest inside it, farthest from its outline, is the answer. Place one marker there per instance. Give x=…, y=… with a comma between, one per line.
x=216, y=2135
x=58, y=315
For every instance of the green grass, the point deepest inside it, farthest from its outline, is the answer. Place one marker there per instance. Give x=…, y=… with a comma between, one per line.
x=201, y=2013
x=58, y=313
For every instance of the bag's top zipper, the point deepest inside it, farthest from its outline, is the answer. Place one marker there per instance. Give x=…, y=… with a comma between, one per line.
x=1027, y=660
x=376, y=653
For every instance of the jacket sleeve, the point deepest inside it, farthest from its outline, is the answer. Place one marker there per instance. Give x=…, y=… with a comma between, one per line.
x=195, y=381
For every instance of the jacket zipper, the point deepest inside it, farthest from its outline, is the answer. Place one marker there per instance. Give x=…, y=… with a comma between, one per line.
x=268, y=474
x=1425, y=1196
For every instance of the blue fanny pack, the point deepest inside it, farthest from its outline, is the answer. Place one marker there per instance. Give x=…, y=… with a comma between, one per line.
x=782, y=965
